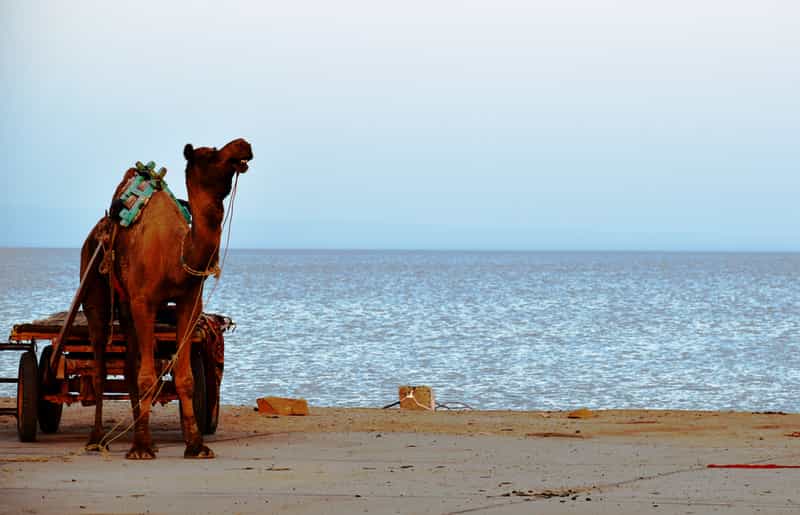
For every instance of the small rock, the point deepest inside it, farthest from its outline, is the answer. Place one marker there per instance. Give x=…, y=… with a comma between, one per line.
x=581, y=413
x=282, y=406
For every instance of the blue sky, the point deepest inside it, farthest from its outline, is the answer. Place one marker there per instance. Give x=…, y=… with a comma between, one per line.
x=570, y=124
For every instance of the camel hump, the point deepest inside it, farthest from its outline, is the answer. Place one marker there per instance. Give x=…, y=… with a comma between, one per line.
x=138, y=186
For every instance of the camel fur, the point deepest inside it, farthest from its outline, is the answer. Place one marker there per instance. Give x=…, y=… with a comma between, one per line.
x=151, y=262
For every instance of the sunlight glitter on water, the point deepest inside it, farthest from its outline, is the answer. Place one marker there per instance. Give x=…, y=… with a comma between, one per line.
x=521, y=330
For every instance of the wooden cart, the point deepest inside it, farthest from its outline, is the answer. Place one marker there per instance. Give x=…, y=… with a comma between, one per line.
x=46, y=384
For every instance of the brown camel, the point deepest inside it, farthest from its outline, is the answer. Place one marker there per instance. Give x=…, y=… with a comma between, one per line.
x=155, y=261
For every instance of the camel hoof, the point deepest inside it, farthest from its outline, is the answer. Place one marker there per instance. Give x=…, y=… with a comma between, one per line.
x=142, y=452
x=198, y=452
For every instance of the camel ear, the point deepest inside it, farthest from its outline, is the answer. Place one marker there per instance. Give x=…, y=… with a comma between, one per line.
x=188, y=151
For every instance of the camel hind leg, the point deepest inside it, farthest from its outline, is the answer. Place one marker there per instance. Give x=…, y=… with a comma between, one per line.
x=131, y=357
x=97, y=308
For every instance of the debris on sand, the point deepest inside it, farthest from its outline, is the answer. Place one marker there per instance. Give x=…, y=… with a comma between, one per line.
x=550, y=434
x=33, y=459
x=545, y=494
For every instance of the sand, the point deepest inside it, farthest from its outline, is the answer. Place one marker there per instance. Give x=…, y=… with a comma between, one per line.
x=346, y=461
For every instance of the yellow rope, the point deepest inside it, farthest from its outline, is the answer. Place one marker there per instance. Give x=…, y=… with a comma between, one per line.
x=410, y=395
x=216, y=271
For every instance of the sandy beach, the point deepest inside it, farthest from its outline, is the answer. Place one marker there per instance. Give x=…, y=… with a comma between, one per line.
x=344, y=461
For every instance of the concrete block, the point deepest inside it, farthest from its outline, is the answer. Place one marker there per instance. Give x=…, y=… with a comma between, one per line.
x=417, y=398
x=282, y=406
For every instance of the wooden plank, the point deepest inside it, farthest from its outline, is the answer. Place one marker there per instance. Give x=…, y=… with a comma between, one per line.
x=116, y=389
x=88, y=349
x=86, y=367
x=77, y=335
x=77, y=366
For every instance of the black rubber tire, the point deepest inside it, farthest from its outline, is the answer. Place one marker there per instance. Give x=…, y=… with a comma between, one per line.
x=199, y=401
x=49, y=412
x=27, y=397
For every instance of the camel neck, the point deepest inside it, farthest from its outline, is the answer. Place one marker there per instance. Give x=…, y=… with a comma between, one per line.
x=201, y=249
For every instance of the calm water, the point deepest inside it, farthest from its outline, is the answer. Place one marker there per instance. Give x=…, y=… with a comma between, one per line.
x=495, y=330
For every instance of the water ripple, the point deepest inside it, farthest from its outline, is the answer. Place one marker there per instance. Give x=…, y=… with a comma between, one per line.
x=495, y=330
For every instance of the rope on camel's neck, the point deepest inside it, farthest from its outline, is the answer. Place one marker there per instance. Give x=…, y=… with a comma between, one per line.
x=214, y=269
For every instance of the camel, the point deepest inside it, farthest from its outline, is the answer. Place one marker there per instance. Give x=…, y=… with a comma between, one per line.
x=159, y=259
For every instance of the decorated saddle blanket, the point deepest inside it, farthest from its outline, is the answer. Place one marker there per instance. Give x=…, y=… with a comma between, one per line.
x=136, y=193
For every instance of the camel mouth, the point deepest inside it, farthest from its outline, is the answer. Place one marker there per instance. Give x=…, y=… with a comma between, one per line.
x=239, y=165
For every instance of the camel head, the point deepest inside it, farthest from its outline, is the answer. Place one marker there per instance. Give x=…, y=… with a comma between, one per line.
x=214, y=169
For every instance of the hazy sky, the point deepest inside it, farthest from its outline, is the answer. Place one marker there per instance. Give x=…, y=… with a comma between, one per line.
x=563, y=124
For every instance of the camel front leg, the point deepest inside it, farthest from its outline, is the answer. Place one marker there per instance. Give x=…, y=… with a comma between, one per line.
x=188, y=311
x=96, y=304
x=144, y=317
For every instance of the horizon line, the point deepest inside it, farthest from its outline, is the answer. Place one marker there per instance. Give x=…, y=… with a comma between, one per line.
x=476, y=250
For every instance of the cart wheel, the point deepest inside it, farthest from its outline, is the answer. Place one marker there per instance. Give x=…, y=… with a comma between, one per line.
x=49, y=412
x=199, y=396
x=27, y=397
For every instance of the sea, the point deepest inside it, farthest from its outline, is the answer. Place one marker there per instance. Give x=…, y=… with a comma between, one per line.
x=491, y=330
